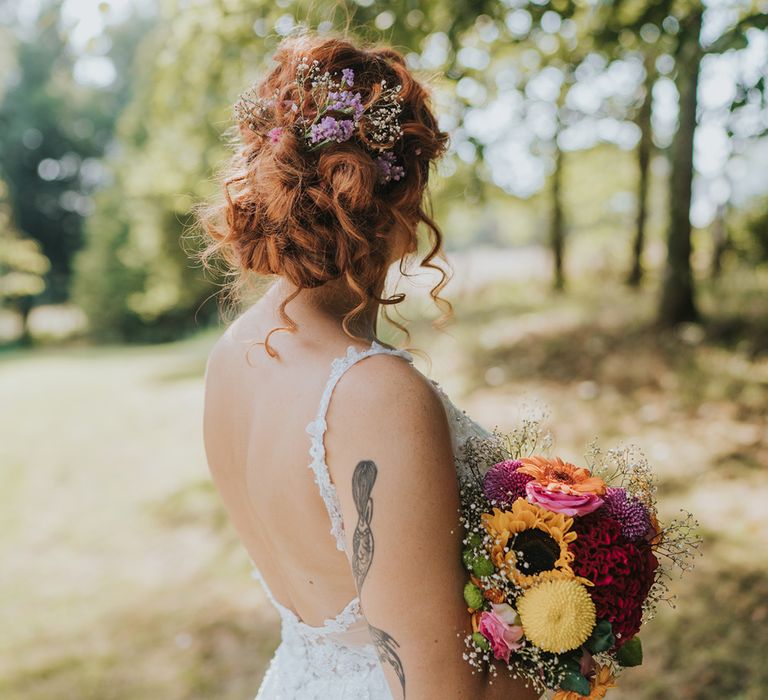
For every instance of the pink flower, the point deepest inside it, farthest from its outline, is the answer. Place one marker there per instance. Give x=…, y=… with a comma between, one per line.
x=558, y=502
x=499, y=628
x=275, y=134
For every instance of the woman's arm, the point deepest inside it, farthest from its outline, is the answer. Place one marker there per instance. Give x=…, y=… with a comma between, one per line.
x=390, y=456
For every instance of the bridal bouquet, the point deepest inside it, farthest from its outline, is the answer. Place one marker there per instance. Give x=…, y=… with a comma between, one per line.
x=564, y=562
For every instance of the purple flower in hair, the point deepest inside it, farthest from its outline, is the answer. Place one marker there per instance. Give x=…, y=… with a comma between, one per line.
x=346, y=127
x=345, y=101
x=331, y=129
x=348, y=76
x=388, y=169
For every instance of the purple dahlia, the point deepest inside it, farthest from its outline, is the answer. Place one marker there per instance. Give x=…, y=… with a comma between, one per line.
x=504, y=484
x=628, y=512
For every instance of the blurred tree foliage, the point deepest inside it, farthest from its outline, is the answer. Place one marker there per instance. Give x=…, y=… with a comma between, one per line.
x=748, y=233
x=673, y=29
x=532, y=61
x=22, y=266
x=53, y=130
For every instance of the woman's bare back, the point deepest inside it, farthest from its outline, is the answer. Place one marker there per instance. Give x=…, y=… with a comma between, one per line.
x=256, y=414
x=385, y=421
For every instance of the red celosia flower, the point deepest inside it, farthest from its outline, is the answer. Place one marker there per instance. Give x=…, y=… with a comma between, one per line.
x=623, y=572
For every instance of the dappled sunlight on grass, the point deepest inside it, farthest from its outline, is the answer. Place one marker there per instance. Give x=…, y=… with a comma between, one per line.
x=695, y=401
x=127, y=581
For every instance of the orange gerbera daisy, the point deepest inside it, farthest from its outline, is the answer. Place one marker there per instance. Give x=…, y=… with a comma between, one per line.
x=598, y=686
x=564, y=477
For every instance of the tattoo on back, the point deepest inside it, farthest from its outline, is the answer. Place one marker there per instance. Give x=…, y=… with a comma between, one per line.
x=386, y=647
x=363, y=479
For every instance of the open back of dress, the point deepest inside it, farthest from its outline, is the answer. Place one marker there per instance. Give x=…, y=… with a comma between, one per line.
x=337, y=660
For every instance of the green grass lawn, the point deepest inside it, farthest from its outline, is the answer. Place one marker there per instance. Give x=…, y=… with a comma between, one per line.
x=121, y=578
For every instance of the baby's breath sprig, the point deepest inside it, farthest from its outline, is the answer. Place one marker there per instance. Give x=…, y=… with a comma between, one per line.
x=679, y=544
x=626, y=467
x=526, y=438
x=383, y=120
x=254, y=111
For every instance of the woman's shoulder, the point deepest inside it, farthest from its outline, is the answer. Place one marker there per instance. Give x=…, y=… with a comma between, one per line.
x=237, y=340
x=228, y=332
x=383, y=404
x=384, y=380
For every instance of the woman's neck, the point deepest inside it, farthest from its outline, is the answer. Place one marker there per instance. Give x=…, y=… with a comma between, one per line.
x=328, y=305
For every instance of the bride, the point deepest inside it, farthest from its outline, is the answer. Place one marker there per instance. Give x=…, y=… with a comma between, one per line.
x=335, y=458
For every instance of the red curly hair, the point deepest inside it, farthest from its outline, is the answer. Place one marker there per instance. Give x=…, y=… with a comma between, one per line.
x=317, y=216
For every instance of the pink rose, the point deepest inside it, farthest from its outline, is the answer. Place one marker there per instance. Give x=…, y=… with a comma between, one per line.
x=499, y=628
x=558, y=502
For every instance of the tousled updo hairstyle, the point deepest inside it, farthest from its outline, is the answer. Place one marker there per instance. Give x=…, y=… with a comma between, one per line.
x=317, y=215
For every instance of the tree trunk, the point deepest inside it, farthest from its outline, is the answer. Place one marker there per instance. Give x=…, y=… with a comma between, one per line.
x=644, y=150
x=677, y=296
x=24, y=308
x=556, y=222
x=721, y=241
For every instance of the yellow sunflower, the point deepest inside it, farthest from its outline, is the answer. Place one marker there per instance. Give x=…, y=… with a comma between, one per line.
x=540, y=535
x=598, y=687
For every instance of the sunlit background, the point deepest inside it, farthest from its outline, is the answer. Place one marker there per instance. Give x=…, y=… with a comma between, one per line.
x=580, y=134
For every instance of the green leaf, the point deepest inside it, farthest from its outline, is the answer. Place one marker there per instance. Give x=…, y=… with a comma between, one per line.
x=602, y=638
x=575, y=682
x=631, y=654
x=570, y=663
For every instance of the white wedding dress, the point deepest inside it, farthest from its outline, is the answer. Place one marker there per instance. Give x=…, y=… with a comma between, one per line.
x=338, y=661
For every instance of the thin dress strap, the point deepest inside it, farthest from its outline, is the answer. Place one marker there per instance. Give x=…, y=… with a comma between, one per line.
x=318, y=426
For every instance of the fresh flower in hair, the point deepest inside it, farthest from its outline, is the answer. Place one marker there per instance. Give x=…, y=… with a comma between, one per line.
x=339, y=115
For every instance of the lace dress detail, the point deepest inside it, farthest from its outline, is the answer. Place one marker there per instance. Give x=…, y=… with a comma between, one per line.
x=317, y=429
x=332, y=662
x=337, y=660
